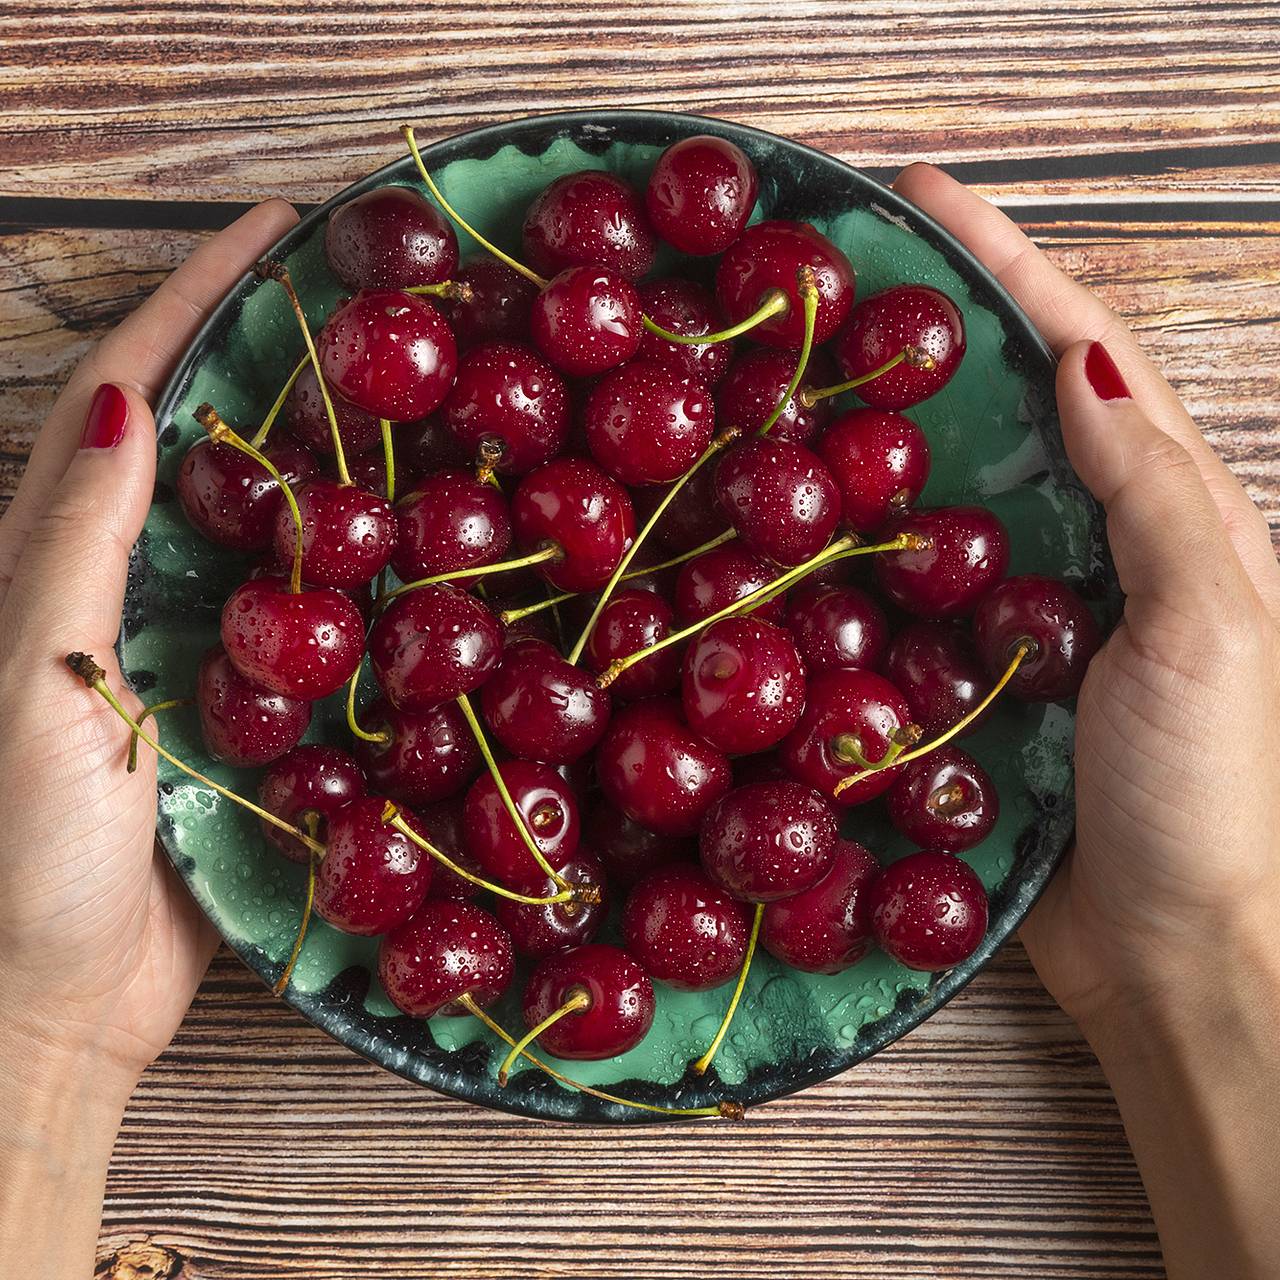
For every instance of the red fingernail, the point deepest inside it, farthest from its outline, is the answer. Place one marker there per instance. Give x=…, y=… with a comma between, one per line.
x=1103, y=375
x=105, y=422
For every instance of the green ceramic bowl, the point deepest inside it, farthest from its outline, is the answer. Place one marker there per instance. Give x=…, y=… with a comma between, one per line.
x=995, y=440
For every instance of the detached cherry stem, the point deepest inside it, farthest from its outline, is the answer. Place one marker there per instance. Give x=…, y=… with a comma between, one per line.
x=700, y=1066
x=260, y=436
x=773, y=302
x=472, y=571
x=578, y=1000
x=916, y=357
x=807, y=287
x=131, y=765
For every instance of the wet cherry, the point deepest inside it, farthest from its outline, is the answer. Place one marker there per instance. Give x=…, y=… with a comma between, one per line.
x=587, y=320
x=700, y=194
x=934, y=666
x=441, y=824
x=348, y=534
x=307, y=419
x=450, y=521
x=757, y=380
x=691, y=519
x=684, y=307
x=539, y=929
x=499, y=305
x=928, y=911
x=879, y=461
x=634, y=620
x=588, y=219
x=714, y=580
x=427, y=756
x=307, y=786
x=836, y=627
x=627, y=850
x=390, y=238
x=944, y=800
x=243, y=725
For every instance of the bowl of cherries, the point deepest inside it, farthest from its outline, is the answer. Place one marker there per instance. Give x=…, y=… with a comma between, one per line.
x=610, y=617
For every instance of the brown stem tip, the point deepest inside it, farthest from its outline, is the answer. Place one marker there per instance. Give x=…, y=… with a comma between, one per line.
x=732, y=1110
x=270, y=269
x=83, y=665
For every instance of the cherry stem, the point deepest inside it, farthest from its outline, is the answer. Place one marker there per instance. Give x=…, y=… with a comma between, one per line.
x=472, y=571
x=578, y=1000
x=407, y=131
x=95, y=678
x=356, y=731
x=726, y=1110
x=774, y=302
x=281, y=984
x=449, y=290
x=807, y=286
x=1026, y=648
x=260, y=436
x=277, y=271
x=207, y=416
x=507, y=802
x=916, y=357
x=132, y=765
x=700, y=1066
x=722, y=439
x=847, y=747
x=389, y=457
x=488, y=455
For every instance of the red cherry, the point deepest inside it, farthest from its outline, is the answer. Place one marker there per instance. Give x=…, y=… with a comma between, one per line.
x=498, y=308
x=446, y=951
x=647, y=424
x=879, y=461
x=691, y=519
x=243, y=725
x=966, y=555
x=633, y=620
x=432, y=645
x=369, y=473
x=312, y=779
x=928, y=911
x=390, y=353
x=768, y=256
x=372, y=877
x=768, y=840
x=780, y=498
x=654, y=768
x=429, y=755
x=743, y=687
x=1059, y=625
x=686, y=930
x=390, y=238
x=714, y=580
x=587, y=320
x=441, y=825
x=304, y=645
x=308, y=420
x=572, y=504
x=348, y=534
x=944, y=800
x=539, y=929
x=628, y=850
x=620, y=1005
x=507, y=395
x=938, y=673
x=588, y=219
x=858, y=708
x=885, y=324
x=757, y=380
x=700, y=194
x=450, y=521
x=825, y=928
x=684, y=307
x=836, y=628
x=426, y=446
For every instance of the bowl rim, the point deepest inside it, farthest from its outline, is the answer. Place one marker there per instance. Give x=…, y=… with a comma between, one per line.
x=1055, y=828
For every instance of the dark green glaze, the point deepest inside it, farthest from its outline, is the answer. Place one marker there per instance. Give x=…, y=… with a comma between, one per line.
x=995, y=439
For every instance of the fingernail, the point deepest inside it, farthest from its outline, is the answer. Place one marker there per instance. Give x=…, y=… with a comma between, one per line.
x=105, y=422
x=1103, y=375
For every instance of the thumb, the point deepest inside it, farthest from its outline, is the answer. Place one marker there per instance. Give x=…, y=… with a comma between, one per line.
x=68, y=585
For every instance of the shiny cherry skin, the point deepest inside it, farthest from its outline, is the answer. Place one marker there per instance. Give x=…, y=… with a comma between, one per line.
x=313, y=782
x=647, y=424
x=886, y=323
x=431, y=645
x=757, y=380
x=508, y=396
x=701, y=193
x=825, y=928
x=499, y=305
x=768, y=840
x=836, y=628
x=944, y=800
x=1054, y=618
x=768, y=256
x=303, y=646
x=686, y=930
x=445, y=951
x=627, y=850
x=588, y=219
x=450, y=521
x=928, y=911
x=587, y=320
x=390, y=238
x=570, y=503
x=441, y=824
x=621, y=1006
x=427, y=756
x=539, y=929
x=540, y=707
x=550, y=811
x=634, y=620
x=858, y=707
x=879, y=461
x=348, y=534
x=390, y=353
x=780, y=497
x=241, y=724
x=692, y=518
x=743, y=685
x=372, y=877
x=230, y=498
x=714, y=580
x=654, y=768
x=307, y=419
x=966, y=555
x=934, y=666
x=684, y=307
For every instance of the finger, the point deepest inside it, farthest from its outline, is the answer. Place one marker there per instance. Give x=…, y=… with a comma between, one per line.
x=139, y=354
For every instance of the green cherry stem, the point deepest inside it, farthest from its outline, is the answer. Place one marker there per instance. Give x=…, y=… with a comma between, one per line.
x=578, y=1000
x=916, y=357
x=807, y=286
x=774, y=302
x=356, y=731
x=260, y=436
x=449, y=290
x=131, y=765
x=389, y=457
x=472, y=571
x=281, y=984
x=700, y=1066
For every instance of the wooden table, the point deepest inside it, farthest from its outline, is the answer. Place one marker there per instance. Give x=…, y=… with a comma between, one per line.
x=1139, y=143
